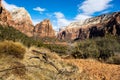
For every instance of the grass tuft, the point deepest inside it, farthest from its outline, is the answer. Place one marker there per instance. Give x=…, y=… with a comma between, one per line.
x=10, y=48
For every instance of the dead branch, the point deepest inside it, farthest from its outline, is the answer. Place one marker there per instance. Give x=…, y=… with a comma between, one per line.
x=38, y=52
x=8, y=69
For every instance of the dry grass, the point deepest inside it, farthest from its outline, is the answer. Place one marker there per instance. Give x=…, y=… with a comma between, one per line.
x=34, y=67
x=44, y=70
x=14, y=49
x=50, y=54
x=97, y=70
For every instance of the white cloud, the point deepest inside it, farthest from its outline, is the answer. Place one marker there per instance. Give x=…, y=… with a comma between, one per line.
x=61, y=20
x=82, y=17
x=87, y=9
x=8, y=6
x=59, y=15
x=91, y=6
x=39, y=9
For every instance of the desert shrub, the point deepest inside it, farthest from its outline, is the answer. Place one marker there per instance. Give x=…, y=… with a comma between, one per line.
x=86, y=49
x=107, y=46
x=14, y=49
x=98, y=48
x=114, y=60
x=56, y=48
x=108, y=43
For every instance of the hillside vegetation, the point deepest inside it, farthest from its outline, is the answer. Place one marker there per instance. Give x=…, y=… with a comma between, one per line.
x=21, y=63
x=9, y=33
x=42, y=64
x=105, y=49
x=24, y=58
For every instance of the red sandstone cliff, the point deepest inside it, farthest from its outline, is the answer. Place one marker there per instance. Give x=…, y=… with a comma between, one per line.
x=44, y=29
x=92, y=27
x=18, y=18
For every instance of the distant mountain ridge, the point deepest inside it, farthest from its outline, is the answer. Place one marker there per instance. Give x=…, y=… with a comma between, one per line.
x=92, y=27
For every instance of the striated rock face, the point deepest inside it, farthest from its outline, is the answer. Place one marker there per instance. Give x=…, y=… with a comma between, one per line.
x=21, y=15
x=44, y=29
x=22, y=21
x=18, y=18
x=92, y=27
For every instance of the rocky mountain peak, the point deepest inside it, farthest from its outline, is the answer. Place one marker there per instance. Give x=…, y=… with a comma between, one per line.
x=44, y=29
x=18, y=18
x=21, y=20
x=91, y=21
x=21, y=15
x=45, y=22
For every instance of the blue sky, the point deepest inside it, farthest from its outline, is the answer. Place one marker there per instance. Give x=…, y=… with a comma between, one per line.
x=63, y=12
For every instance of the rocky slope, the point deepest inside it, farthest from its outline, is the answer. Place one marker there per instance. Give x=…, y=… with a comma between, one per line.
x=44, y=29
x=92, y=27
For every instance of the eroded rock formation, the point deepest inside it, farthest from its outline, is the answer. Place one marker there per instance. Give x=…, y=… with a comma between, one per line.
x=44, y=29
x=92, y=27
x=18, y=18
